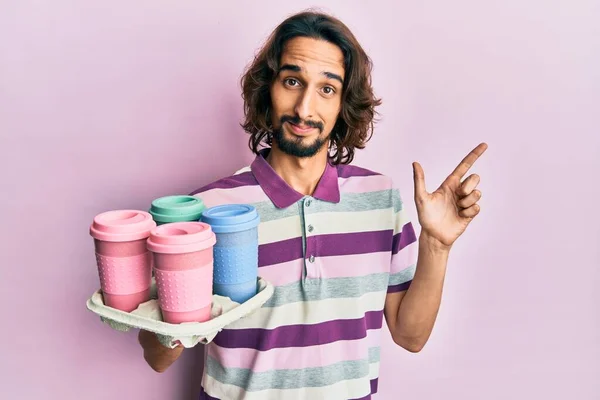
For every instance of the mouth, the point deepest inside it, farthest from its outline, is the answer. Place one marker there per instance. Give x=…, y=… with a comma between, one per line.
x=301, y=129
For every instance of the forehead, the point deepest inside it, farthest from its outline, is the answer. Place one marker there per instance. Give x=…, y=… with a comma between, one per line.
x=313, y=56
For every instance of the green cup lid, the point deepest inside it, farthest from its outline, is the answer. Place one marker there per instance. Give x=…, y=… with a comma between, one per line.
x=177, y=208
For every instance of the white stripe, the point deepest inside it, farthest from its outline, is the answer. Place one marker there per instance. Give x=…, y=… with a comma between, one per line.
x=348, y=389
x=242, y=170
x=312, y=312
x=400, y=219
x=327, y=223
x=374, y=370
x=279, y=230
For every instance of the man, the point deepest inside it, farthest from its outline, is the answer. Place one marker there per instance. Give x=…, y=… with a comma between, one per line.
x=334, y=239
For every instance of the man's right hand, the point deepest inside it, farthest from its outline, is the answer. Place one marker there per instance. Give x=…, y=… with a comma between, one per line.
x=158, y=357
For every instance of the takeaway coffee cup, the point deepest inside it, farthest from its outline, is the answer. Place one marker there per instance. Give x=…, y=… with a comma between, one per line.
x=236, y=250
x=178, y=208
x=123, y=261
x=183, y=268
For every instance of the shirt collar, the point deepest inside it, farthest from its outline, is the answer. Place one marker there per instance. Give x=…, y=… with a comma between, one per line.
x=283, y=195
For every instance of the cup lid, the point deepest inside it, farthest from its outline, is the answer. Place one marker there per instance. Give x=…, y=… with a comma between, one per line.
x=122, y=225
x=231, y=217
x=176, y=208
x=181, y=237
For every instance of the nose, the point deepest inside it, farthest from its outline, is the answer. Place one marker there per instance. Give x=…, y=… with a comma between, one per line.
x=305, y=105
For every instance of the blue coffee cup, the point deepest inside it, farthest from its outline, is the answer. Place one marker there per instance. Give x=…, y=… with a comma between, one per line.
x=235, y=269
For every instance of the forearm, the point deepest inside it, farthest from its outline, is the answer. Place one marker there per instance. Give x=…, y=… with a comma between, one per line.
x=419, y=307
x=156, y=355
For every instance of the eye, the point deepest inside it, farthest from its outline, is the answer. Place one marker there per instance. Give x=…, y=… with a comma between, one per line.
x=291, y=81
x=328, y=90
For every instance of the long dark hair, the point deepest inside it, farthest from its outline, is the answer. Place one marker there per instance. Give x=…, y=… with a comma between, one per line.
x=354, y=126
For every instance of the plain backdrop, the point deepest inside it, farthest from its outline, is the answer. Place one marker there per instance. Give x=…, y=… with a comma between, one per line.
x=107, y=105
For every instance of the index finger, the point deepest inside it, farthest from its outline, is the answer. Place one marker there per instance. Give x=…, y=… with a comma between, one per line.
x=469, y=160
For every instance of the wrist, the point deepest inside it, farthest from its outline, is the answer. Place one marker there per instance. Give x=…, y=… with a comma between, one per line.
x=433, y=245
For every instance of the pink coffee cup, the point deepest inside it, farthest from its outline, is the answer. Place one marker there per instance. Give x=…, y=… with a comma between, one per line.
x=123, y=260
x=183, y=268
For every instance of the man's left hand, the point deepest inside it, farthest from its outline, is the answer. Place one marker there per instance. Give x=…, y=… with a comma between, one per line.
x=445, y=214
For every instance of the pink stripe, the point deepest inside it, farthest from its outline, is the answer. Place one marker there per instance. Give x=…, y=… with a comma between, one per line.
x=363, y=184
x=292, y=358
x=405, y=258
x=355, y=265
x=282, y=273
x=351, y=266
x=243, y=194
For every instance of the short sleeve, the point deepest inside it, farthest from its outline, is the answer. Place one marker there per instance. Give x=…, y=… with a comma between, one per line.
x=404, y=248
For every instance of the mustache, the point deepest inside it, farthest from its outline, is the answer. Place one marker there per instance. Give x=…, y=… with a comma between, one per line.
x=297, y=121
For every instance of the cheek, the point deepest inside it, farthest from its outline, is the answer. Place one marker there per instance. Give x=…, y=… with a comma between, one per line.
x=279, y=102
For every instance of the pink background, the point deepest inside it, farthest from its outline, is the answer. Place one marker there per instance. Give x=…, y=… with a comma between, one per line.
x=110, y=104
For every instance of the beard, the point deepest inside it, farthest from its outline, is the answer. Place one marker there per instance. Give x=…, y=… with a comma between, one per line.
x=294, y=146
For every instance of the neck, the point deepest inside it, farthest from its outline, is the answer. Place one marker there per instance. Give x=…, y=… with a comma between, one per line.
x=302, y=174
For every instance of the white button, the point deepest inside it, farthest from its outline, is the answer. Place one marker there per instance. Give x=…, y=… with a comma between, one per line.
x=311, y=228
x=308, y=202
x=312, y=259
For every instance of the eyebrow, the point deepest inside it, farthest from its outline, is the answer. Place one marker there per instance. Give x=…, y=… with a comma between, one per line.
x=295, y=68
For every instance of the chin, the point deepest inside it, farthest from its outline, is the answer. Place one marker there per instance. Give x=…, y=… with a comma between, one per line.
x=298, y=144
x=301, y=147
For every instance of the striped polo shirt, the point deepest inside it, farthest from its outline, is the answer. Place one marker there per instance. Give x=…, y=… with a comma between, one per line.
x=332, y=258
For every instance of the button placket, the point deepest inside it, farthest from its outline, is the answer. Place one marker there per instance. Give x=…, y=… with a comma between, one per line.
x=309, y=229
x=310, y=250
x=308, y=226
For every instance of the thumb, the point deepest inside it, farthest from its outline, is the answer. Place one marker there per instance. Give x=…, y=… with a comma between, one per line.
x=419, y=178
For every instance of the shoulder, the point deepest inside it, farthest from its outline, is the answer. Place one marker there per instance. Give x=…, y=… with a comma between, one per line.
x=349, y=171
x=239, y=179
x=372, y=185
x=367, y=178
x=240, y=187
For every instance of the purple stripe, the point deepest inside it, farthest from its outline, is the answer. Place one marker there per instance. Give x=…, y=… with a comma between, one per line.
x=300, y=335
x=341, y=244
x=399, y=288
x=404, y=238
x=279, y=252
x=374, y=385
x=337, y=244
x=231, y=182
x=347, y=171
x=205, y=396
